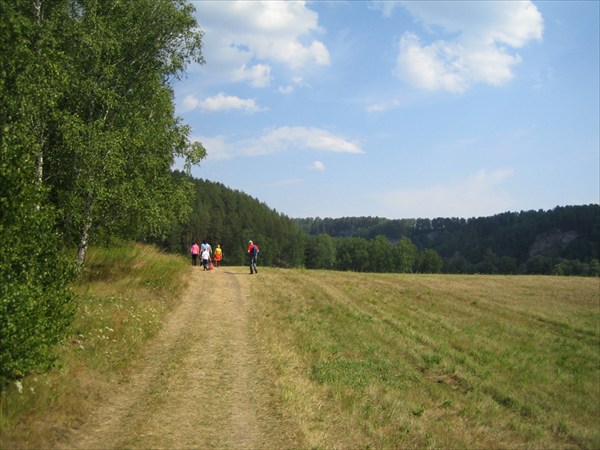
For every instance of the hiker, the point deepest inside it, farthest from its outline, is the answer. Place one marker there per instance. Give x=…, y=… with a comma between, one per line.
x=253, y=256
x=205, y=258
x=195, y=250
x=218, y=255
x=206, y=246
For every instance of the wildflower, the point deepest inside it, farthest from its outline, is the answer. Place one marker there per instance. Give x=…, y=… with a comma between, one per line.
x=19, y=386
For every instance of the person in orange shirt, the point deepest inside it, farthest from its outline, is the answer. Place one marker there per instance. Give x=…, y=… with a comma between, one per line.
x=218, y=256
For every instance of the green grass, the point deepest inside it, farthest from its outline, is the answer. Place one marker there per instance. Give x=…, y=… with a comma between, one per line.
x=123, y=296
x=434, y=360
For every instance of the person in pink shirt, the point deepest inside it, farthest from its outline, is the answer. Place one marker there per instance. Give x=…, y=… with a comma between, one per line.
x=195, y=252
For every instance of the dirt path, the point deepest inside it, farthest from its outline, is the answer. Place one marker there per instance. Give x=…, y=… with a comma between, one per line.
x=201, y=383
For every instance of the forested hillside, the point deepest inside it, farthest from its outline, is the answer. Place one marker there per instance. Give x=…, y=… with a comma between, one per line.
x=231, y=218
x=564, y=240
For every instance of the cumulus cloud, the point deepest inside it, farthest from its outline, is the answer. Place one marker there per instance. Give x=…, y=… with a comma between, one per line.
x=279, y=140
x=318, y=165
x=240, y=33
x=258, y=75
x=480, y=194
x=220, y=102
x=484, y=33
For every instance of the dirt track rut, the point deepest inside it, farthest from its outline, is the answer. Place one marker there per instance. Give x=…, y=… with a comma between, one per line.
x=200, y=383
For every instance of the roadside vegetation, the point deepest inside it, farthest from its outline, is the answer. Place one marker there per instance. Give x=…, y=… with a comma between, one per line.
x=121, y=301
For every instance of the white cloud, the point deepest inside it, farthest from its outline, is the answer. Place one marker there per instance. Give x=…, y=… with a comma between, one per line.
x=318, y=165
x=279, y=140
x=479, y=51
x=220, y=102
x=479, y=195
x=241, y=33
x=258, y=75
x=384, y=106
x=189, y=103
x=298, y=81
x=285, y=89
x=308, y=138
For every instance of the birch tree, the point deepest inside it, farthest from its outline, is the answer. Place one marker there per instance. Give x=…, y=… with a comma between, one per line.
x=118, y=134
x=88, y=135
x=35, y=300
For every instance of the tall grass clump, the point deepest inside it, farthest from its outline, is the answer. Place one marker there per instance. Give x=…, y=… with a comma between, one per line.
x=121, y=299
x=423, y=361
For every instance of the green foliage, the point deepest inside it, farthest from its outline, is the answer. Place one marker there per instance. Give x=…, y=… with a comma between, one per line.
x=88, y=136
x=320, y=252
x=430, y=262
x=381, y=255
x=119, y=132
x=230, y=218
x=352, y=254
x=406, y=256
x=89, y=83
x=35, y=299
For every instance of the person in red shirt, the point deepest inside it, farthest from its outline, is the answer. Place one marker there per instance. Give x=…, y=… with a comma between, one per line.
x=253, y=256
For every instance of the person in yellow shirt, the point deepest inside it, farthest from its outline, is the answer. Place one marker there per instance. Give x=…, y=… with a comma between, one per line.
x=218, y=256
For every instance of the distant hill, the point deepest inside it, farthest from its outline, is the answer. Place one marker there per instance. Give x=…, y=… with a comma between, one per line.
x=511, y=238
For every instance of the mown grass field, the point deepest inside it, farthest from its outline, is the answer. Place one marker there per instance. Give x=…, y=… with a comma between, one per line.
x=358, y=360
x=397, y=361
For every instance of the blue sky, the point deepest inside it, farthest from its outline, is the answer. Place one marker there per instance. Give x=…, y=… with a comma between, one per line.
x=398, y=109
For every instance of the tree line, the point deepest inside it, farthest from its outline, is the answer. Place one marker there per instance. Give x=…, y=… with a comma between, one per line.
x=230, y=218
x=562, y=241
x=88, y=136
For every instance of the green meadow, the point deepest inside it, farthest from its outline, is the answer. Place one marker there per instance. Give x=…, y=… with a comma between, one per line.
x=396, y=361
